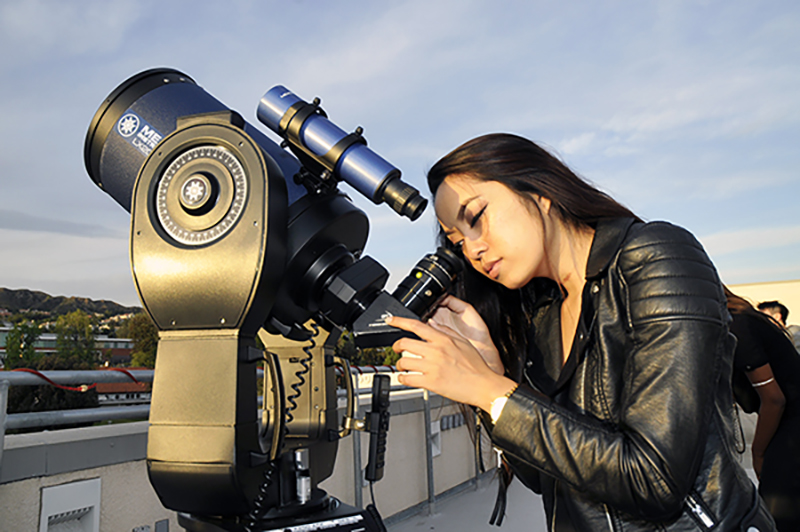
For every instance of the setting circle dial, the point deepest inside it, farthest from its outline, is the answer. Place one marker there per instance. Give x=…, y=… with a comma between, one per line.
x=201, y=195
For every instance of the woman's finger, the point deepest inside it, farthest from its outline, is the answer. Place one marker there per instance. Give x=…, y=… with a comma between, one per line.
x=443, y=316
x=422, y=330
x=410, y=345
x=410, y=362
x=453, y=303
x=445, y=329
x=415, y=380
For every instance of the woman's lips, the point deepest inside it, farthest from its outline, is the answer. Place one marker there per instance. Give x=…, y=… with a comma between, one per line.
x=492, y=269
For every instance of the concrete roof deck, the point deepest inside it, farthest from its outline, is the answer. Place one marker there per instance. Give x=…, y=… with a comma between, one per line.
x=470, y=510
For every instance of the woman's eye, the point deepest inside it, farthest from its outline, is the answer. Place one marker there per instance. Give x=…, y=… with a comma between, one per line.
x=475, y=218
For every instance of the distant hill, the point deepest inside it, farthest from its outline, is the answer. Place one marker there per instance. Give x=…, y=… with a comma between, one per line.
x=18, y=300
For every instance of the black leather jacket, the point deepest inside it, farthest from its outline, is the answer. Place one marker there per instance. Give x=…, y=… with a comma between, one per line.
x=636, y=431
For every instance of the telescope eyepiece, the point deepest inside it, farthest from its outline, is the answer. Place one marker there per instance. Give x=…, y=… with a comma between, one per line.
x=429, y=282
x=403, y=198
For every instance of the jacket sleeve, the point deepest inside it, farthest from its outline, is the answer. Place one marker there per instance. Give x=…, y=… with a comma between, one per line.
x=675, y=329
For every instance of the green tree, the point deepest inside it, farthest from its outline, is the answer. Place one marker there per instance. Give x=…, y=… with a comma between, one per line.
x=391, y=357
x=369, y=356
x=346, y=348
x=373, y=356
x=75, y=339
x=29, y=315
x=144, y=334
x=122, y=330
x=75, y=350
x=46, y=398
x=20, y=351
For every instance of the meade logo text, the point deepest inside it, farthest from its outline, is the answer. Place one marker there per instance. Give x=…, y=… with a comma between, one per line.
x=138, y=133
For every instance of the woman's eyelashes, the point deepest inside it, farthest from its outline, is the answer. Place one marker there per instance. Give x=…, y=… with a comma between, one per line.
x=474, y=219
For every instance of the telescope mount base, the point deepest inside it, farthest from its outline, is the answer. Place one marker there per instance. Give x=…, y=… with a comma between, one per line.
x=337, y=517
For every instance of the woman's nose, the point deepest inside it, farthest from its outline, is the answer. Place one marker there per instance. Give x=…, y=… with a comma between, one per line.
x=473, y=249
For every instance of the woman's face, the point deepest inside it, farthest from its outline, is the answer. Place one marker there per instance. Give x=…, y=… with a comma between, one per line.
x=500, y=234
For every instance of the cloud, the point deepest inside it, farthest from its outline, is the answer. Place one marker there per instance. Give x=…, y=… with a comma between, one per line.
x=21, y=221
x=577, y=143
x=42, y=29
x=728, y=242
x=764, y=273
x=71, y=265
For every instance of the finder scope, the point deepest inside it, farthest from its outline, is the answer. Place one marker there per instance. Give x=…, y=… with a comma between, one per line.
x=346, y=157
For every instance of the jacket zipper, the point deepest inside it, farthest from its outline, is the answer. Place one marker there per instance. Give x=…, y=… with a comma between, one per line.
x=608, y=518
x=699, y=512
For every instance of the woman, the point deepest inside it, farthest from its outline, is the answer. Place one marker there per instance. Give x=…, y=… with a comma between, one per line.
x=597, y=345
x=766, y=355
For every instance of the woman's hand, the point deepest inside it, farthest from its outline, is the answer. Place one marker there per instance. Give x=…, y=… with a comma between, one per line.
x=455, y=316
x=447, y=364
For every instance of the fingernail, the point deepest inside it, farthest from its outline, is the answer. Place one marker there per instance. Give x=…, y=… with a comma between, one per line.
x=388, y=319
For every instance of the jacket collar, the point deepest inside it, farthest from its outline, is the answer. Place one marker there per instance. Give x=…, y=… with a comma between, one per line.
x=608, y=237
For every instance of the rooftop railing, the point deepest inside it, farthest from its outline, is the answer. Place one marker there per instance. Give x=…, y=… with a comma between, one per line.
x=73, y=380
x=78, y=380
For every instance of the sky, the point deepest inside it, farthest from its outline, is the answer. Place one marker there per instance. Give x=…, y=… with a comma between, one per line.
x=685, y=111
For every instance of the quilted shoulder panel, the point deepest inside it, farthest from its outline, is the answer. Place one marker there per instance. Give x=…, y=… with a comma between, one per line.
x=668, y=275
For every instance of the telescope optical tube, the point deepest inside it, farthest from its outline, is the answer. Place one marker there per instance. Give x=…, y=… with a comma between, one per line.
x=142, y=111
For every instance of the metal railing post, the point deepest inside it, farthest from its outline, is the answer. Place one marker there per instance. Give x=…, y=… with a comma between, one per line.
x=429, y=453
x=358, y=490
x=3, y=415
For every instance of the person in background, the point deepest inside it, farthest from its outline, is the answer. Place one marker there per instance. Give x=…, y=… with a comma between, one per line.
x=780, y=313
x=776, y=310
x=766, y=356
x=595, y=346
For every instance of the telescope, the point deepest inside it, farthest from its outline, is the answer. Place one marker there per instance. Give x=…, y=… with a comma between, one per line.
x=246, y=253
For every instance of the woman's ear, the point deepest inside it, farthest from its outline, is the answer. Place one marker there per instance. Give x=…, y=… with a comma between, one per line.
x=544, y=204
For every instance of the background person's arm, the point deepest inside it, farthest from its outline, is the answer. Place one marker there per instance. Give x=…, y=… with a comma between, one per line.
x=769, y=415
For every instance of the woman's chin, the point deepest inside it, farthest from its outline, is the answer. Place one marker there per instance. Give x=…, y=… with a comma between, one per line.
x=511, y=284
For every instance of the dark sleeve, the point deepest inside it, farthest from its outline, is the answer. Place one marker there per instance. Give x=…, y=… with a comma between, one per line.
x=676, y=319
x=750, y=353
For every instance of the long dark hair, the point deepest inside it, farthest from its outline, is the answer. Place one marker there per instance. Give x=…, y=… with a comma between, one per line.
x=528, y=170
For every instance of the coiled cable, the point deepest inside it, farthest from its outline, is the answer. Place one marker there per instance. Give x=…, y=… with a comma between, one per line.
x=260, y=502
x=301, y=375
